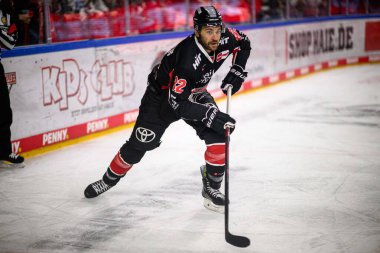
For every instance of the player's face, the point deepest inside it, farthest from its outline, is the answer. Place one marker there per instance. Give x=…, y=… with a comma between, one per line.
x=209, y=37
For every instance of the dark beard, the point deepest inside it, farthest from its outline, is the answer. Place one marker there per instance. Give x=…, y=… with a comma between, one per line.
x=203, y=45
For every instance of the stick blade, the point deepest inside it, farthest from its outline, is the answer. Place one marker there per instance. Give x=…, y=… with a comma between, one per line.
x=238, y=241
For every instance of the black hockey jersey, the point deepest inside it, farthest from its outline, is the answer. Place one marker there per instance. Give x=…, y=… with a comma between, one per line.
x=186, y=70
x=8, y=30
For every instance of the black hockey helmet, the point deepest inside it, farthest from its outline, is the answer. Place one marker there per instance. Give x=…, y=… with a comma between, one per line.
x=207, y=16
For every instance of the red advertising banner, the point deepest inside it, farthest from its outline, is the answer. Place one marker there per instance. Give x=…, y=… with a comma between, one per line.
x=372, y=36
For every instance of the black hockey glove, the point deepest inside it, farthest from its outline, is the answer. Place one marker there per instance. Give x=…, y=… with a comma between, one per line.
x=235, y=77
x=217, y=120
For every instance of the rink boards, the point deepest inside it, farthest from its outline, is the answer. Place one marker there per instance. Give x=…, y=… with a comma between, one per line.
x=84, y=88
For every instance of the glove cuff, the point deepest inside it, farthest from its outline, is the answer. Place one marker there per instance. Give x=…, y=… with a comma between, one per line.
x=239, y=72
x=238, y=67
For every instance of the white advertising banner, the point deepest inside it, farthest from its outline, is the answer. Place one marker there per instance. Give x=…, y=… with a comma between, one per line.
x=300, y=45
x=60, y=89
x=62, y=95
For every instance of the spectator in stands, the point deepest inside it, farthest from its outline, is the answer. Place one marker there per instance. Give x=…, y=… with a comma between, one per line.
x=311, y=8
x=339, y=7
x=68, y=6
x=112, y=4
x=374, y=6
x=8, y=37
x=36, y=26
x=296, y=8
x=323, y=8
x=23, y=21
x=308, y=8
x=30, y=21
x=272, y=10
x=103, y=5
x=96, y=5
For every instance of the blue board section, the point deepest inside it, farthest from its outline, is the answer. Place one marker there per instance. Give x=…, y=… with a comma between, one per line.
x=56, y=47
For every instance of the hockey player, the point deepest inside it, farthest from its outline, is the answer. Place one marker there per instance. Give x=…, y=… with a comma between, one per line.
x=177, y=89
x=8, y=38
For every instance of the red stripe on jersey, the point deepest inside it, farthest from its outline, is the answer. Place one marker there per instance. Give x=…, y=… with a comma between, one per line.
x=215, y=154
x=235, y=33
x=118, y=166
x=234, y=53
x=163, y=87
x=222, y=55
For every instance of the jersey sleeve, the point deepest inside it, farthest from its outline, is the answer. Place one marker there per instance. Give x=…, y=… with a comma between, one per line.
x=241, y=47
x=181, y=98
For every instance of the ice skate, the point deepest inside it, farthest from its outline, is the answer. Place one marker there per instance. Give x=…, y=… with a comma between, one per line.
x=101, y=186
x=12, y=161
x=213, y=198
x=96, y=188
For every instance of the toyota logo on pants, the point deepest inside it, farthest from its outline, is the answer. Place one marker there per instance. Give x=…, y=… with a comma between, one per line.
x=145, y=135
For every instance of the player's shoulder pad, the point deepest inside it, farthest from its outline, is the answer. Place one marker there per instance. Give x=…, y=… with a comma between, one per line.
x=236, y=34
x=239, y=37
x=187, y=52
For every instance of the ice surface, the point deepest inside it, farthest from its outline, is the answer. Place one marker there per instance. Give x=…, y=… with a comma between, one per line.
x=305, y=177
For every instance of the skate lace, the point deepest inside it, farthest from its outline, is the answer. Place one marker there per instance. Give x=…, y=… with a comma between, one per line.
x=13, y=155
x=100, y=186
x=214, y=193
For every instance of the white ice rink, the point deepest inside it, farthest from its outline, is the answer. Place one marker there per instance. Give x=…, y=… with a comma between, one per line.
x=304, y=177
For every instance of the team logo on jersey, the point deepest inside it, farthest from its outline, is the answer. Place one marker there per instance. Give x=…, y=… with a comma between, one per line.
x=179, y=85
x=197, y=61
x=171, y=51
x=145, y=135
x=172, y=101
x=222, y=55
x=223, y=40
x=206, y=77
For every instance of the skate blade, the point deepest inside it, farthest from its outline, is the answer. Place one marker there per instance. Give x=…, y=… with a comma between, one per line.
x=5, y=165
x=211, y=206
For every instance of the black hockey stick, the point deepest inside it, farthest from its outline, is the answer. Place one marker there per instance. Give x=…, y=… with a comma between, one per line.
x=235, y=240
